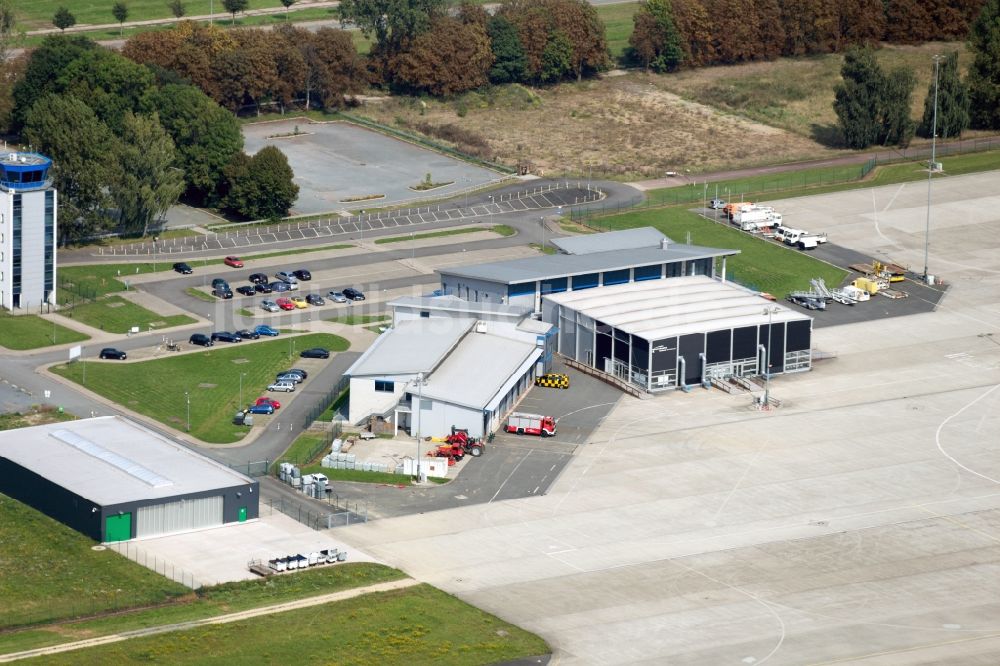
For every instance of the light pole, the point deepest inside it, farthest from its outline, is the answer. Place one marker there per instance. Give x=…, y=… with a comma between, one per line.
x=541, y=221
x=769, y=311
x=420, y=399
x=930, y=171
x=187, y=396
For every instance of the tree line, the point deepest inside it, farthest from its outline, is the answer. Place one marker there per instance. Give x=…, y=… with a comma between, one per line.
x=126, y=143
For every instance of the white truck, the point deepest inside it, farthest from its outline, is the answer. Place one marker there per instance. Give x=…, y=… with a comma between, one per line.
x=754, y=219
x=802, y=239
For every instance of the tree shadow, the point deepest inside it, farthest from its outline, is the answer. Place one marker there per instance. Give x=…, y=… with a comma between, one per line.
x=827, y=135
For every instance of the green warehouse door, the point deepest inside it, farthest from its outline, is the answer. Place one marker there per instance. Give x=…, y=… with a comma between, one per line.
x=243, y=514
x=118, y=528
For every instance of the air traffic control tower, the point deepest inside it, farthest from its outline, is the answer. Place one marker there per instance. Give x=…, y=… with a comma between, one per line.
x=27, y=232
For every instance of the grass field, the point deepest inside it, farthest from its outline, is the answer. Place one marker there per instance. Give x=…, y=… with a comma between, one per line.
x=208, y=602
x=437, y=234
x=617, y=21
x=157, y=388
x=22, y=332
x=761, y=265
x=417, y=625
x=118, y=315
x=39, y=13
x=49, y=571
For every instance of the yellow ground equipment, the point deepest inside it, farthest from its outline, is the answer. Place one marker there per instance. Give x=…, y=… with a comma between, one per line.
x=553, y=380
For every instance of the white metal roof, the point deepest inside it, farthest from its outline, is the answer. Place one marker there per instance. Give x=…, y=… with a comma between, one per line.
x=555, y=266
x=477, y=369
x=626, y=239
x=660, y=309
x=110, y=460
x=455, y=304
x=411, y=346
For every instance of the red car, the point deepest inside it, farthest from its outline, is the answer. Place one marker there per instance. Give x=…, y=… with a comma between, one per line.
x=285, y=304
x=233, y=261
x=268, y=401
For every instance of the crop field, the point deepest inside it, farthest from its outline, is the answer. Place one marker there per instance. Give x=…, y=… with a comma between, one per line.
x=399, y=627
x=761, y=265
x=49, y=571
x=212, y=378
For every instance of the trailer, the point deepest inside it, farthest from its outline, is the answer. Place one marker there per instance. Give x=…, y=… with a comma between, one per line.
x=531, y=424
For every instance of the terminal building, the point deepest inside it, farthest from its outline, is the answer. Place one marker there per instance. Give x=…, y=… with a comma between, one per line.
x=114, y=480
x=28, y=210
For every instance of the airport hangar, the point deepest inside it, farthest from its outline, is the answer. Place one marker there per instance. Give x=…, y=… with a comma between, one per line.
x=114, y=480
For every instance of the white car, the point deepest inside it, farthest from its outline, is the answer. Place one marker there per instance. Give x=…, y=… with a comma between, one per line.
x=282, y=387
x=270, y=306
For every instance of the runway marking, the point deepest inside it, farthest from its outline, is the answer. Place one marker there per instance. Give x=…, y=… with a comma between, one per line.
x=510, y=475
x=937, y=437
x=886, y=653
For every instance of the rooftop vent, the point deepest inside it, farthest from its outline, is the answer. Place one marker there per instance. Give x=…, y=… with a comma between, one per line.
x=130, y=467
x=664, y=243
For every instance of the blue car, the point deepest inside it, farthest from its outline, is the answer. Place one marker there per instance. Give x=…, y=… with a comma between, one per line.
x=262, y=409
x=265, y=330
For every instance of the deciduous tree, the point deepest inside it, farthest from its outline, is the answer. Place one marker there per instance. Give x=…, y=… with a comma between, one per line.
x=557, y=59
x=450, y=58
x=109, y=83
x=655, y=40
x=735, y=31
x=872, y=106
x=261, y=187
x=177, y=8
x=45, y=66
x=509, y=62
x=952, y=102
x=234, y=7
x=695, y=28
x=146, y=183
x=63, y=19
x=392, y=22
x=984, y=73
x=120, y=11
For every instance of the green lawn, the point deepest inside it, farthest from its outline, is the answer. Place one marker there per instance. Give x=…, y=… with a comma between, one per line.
x=417, y=625
x=440, y=234
x=212, y=378
x=761, y=265
x=618, y=25
x=503, y=229
x=304, y=449
x=48, y=572
x=31, y=332
x=93, y=280
x=118, y=315
x=38, y=13
x=354, y=320
x=328, y=413
x=548, y=249
x=208, y=602
x=359, y=476
x=37, y=416
x=200, y=295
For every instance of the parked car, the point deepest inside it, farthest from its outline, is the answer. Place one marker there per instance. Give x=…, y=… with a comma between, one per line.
x=261, y=329
x=353, y=294
x=315, y=352
x=270, y=306
x=269, y=401
x=248, y=335
x=222, y=292
x=112, y=353
x=280, y=386
x=219, y=282
x=287, y=276
x=299, y=301
x=201, y=339
x=716, y=204
x=295, y=371
x=262, y=288
x=225, y=336
x=183, y=268
x=245, y=290
x=315, y=299
x=337, y=297
x=258, y=278
x=233, y=261
x=303, y=274
x=280, y=286
x=285, y=304
x=294, y=379
x=265, y=408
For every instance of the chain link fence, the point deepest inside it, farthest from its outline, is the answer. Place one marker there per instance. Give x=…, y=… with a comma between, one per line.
x=157, y=564
x=343, y=512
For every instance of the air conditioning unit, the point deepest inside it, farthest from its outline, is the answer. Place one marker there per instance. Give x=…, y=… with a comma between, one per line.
x=480, y=327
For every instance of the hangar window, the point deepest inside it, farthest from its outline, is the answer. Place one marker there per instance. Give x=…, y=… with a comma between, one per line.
x=523, y=289
x=648, y=272
x=383, y=386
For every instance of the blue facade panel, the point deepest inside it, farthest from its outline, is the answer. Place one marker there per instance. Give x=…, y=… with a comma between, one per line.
x=554, y=286
x=648, y=272
x=616, y=277
x=522, y=289
x=588, y=281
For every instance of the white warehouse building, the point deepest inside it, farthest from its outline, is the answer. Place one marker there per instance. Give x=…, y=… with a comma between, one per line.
x=446, y=364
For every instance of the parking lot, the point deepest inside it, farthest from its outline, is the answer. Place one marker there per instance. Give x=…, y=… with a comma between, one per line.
x=856, y=524
x=337, y=161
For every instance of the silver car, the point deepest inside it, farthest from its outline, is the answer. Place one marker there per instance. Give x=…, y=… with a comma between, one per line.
x=337, y=297
x=270, y=306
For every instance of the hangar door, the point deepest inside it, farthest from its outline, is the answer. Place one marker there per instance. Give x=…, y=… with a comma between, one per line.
x=180, y=516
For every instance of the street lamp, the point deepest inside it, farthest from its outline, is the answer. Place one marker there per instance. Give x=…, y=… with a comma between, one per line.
x=769, y=311
x=930, y=171
x=187, y=396
x=420, y=399
x=541, y=221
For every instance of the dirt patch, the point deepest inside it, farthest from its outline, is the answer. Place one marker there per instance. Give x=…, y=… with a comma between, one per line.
x=240, y=361
x=114, y=304
x=207, y=386
x=157, y=324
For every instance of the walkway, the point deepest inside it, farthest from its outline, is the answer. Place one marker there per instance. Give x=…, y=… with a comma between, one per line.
x=219, y=619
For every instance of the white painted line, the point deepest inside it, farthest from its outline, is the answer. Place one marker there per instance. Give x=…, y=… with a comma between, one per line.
x=509, y=475
x=937, y=437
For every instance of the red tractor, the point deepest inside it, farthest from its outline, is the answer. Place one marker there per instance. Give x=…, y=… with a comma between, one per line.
x=457, y=445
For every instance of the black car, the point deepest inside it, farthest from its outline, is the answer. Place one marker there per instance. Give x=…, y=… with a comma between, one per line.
x=183, y=268
x=280, y=286
x=219, y=283
x=303, y=274
x=226, y=336
x=248, y=335
x=315, y=299
x=112, y=353
x=222, y=292
x=294, y=371
x=262, y=288
x=353, y=294
x=246, y=290
x=258, y=278
x=315, y=352
x=201, y=339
